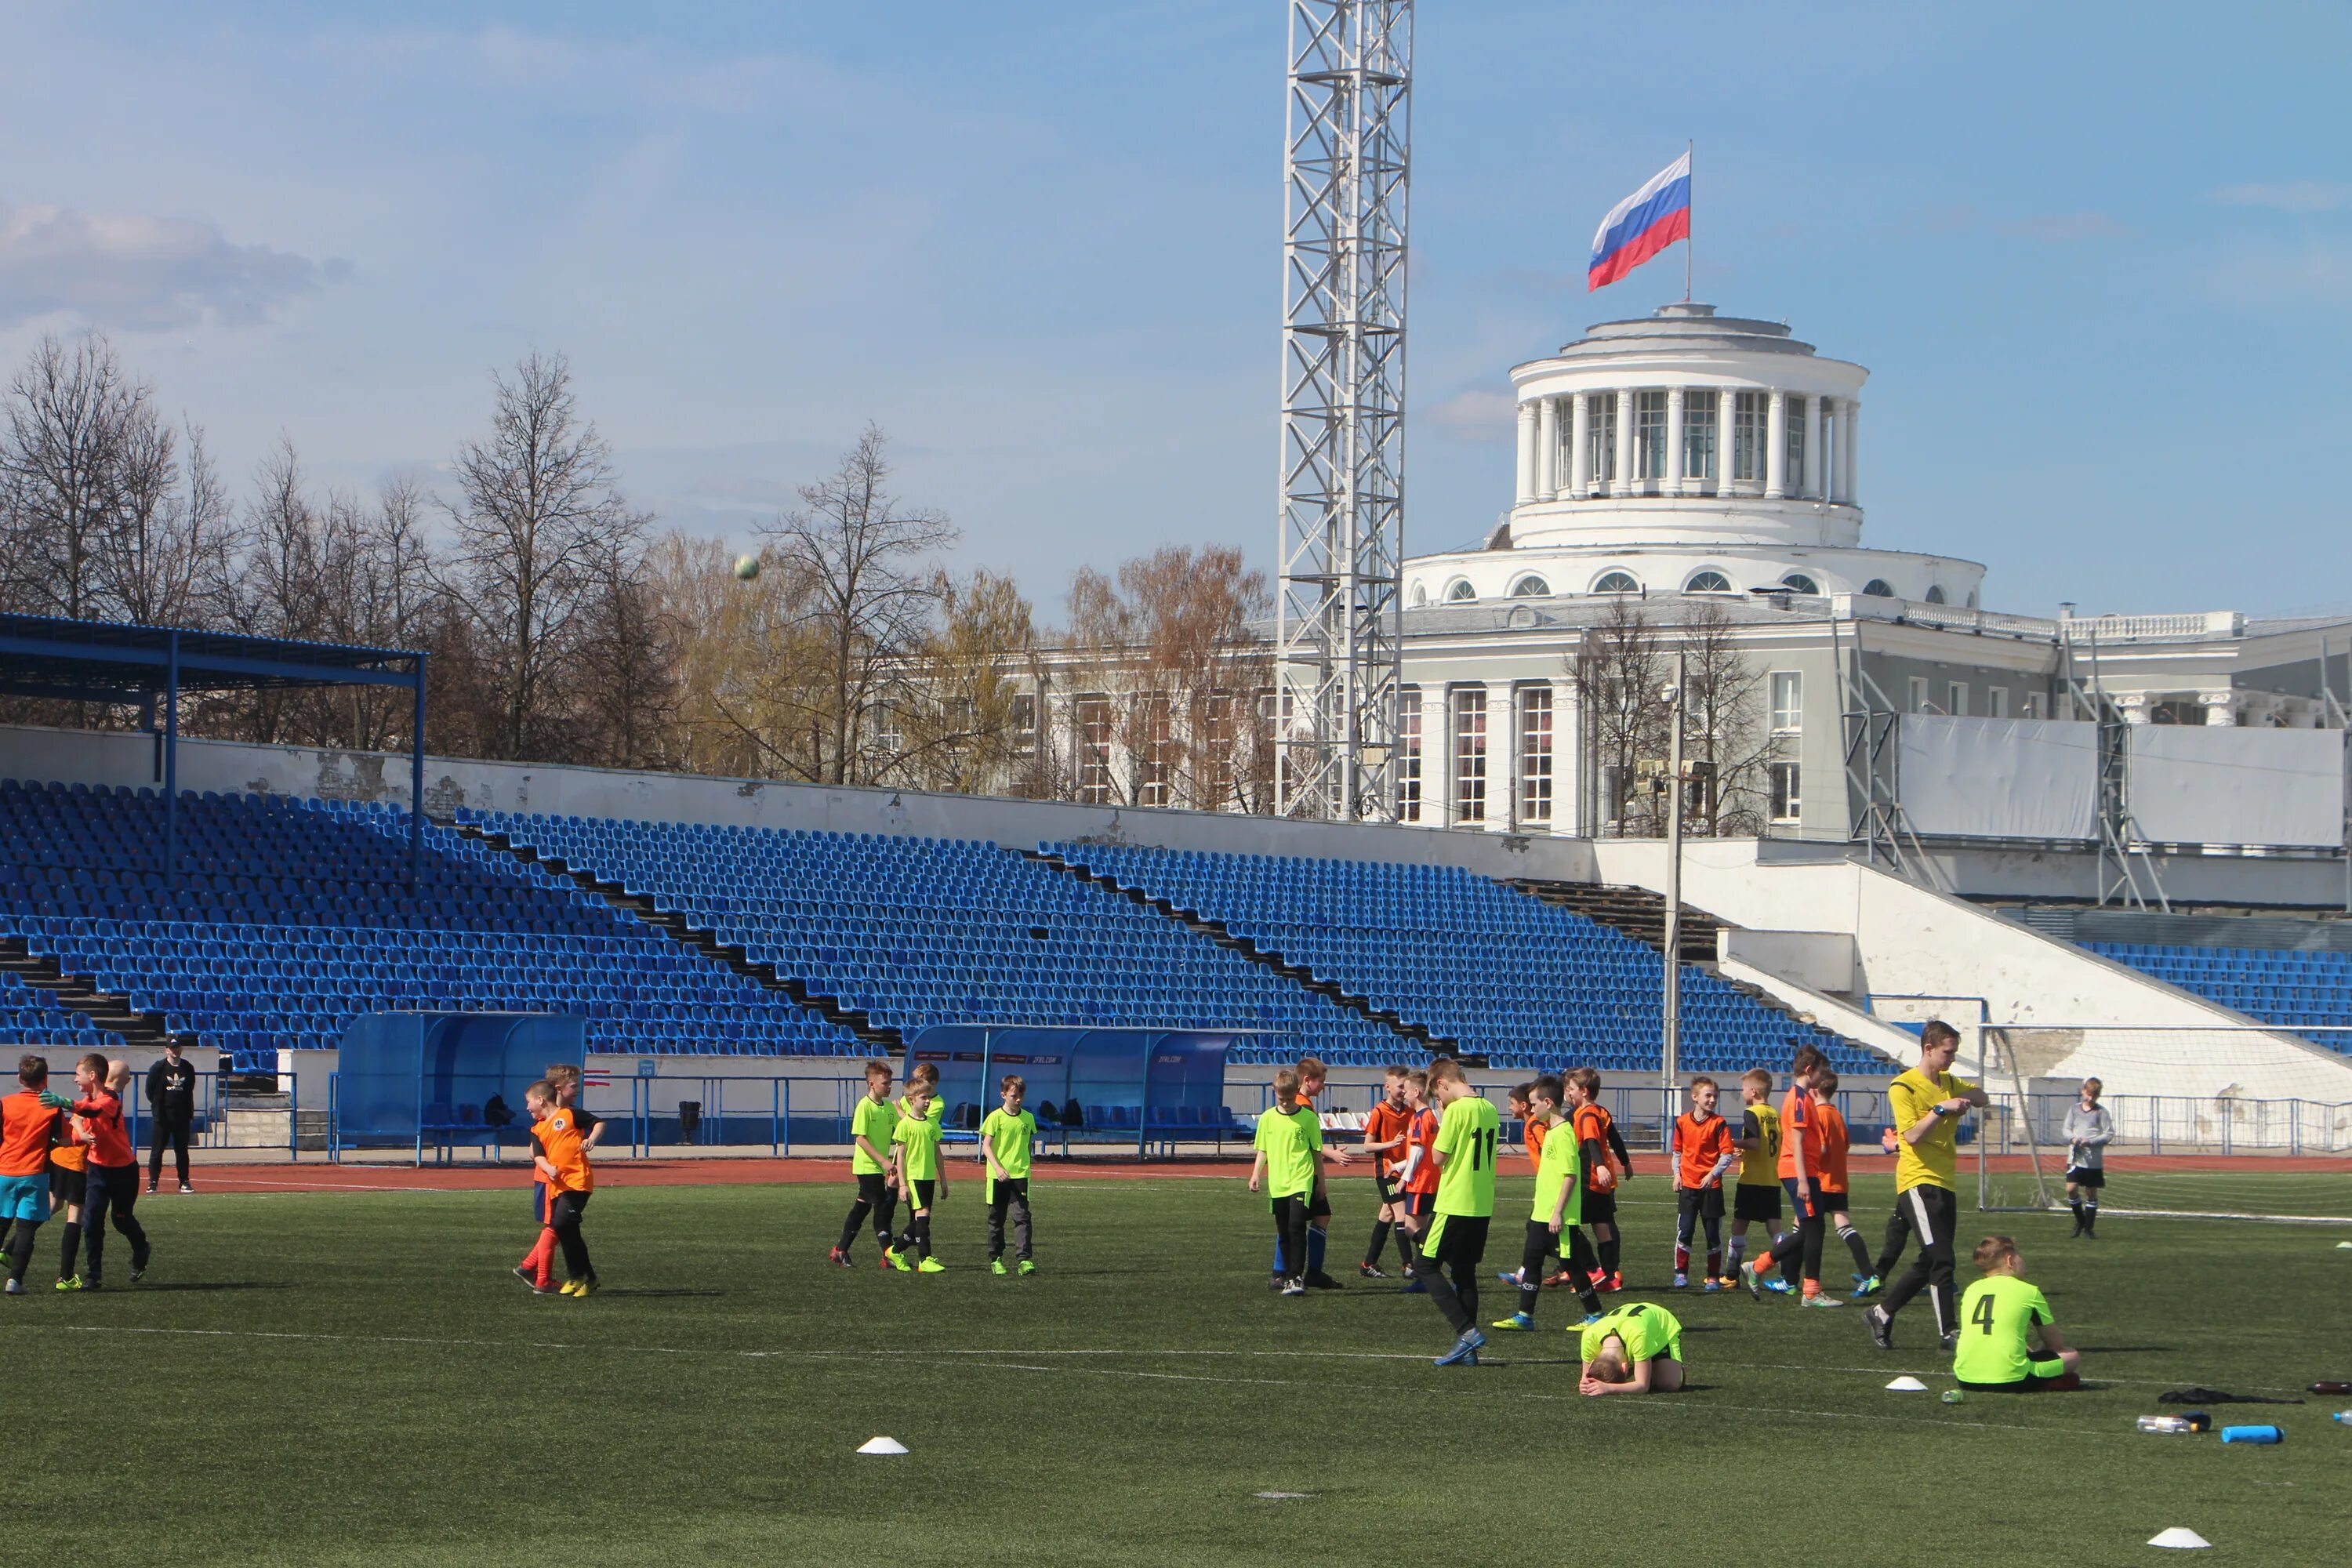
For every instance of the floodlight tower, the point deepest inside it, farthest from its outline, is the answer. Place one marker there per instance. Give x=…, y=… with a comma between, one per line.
x=1346, y=180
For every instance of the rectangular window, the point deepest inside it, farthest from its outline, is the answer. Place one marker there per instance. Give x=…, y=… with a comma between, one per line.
x=2033, y=705
x=1090, y=714
x=1535, y=753
x=1793, y=480
x=1752, y=418
x=1024, y=722
x=1601, y=439
x=1997, y=702
x=1788, y=702
x=1785, y=777
x=1698, y=435
x=1918, y=694
x=1409, y=759
x=1957, y=700
x=1470, y=753
x=1649, y=435
x=1155, y=769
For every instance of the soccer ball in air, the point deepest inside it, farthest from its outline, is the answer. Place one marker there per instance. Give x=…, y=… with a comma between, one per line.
x=747, y=567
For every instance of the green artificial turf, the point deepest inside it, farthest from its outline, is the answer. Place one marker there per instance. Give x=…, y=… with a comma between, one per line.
x=355, y=1378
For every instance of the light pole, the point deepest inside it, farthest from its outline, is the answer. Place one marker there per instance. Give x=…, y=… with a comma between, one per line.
x=1672, y=1009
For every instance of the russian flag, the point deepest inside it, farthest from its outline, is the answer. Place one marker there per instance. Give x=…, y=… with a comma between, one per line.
x=1642, y=225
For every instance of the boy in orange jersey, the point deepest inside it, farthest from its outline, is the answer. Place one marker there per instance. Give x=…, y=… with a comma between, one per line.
x=562, y=1161
x=68, y=1184
x=1384, y=1141
x=110, y=1176
x=1698, y=1151
x=1606, y=1164
x=1801, y=1177
x=28, y=1123
x=538, y=1267
x=1417, y=1176
x=1835, y=1188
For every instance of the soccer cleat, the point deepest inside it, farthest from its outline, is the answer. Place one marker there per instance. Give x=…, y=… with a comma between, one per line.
x=898, y=1260
x=138, y=1272
x=569, y=1287
x=151, y=1189
x=996, y=1266
x=1415, y=1288
x=1950, y=1342
x=1818, y=1299
x=185, y=1188
x=1559, y=1277
x=1709, y=1286
x=1866, y=1284
x=1881, y=1323
x=931, y=1265
x=2077, y=1230
x=526, y=1275
x=1294, y=1286
x=1509, y=1276
x=1752, y=1280
x=1590, y=1318
x=1318, y=1280
x=583, y=1288
x=71, y=1283
x=16, y=1287
x=1779, y=1286
x=1466, y=1350
x=837, y=1257
x=1517, y=1322
x=883, y=1262
x=1372, y=1271
x=1681, y=1281
x=1028, y=1267
x=94, y=1283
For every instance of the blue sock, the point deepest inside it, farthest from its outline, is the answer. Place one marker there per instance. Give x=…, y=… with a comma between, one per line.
x=1315, y=1238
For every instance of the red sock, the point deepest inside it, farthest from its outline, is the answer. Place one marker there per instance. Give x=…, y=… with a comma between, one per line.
x=540, y=1260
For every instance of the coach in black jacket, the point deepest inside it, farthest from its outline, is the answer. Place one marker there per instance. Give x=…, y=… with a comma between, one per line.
x=172, y=1102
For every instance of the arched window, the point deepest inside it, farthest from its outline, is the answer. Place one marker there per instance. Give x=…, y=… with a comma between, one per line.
x=1531, y=587
x=1420, y=594
x=1707, y=581
x=1798, y=583
x=1616, y=583
x=1936, y=594
x=1880, y=588
x=1461, y=592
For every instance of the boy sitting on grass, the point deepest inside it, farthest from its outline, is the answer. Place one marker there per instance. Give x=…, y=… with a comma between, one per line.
x=1637, y=1349
x=2008, y=1340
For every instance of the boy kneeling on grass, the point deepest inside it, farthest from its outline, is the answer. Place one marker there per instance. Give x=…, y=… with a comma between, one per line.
x=1636, y=1349
x=2008, y=1341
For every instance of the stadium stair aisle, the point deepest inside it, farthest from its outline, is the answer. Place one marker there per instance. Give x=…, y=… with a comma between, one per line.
x=1502, y=974
x=910, y=932
x=287, y=918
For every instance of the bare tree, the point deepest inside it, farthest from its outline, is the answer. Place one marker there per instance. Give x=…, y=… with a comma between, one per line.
x=72, y=417
x=1619, y=671
x=540, y=513
x=967, y=732
x=864, y=559
x=627, y=687
x=1723, y=726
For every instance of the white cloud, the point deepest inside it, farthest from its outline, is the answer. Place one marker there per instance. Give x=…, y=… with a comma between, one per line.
x=143, y=274
x=2313, y=273
x=2287, y=196
x=1479, y=415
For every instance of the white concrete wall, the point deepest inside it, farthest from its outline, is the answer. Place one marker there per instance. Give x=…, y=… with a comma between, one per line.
x=1818, y=961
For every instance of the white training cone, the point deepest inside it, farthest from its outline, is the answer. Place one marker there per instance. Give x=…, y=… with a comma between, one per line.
x=1907, y=1384
x=2344, y=1246
x=884, y=1446
x=2186, y=1538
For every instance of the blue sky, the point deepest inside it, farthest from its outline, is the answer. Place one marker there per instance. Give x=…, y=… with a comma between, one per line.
x=2098, y=257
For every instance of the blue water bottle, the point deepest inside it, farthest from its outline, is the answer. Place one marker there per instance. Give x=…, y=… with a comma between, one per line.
x=2250, y=1435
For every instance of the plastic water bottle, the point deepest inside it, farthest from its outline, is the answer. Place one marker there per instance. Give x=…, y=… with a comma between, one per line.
x=2170, y=1424
x=1956, y=1395
x=2329, y=1387
x=2251, y=1434
x=2343, y=1418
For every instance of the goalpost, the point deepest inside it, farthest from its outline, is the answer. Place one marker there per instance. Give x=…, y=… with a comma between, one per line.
x=2234, y=1153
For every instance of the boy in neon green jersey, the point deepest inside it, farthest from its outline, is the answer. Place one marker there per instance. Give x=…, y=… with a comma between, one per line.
x=1558, y=1205
x=1468, y=1132
x=918, y=1138
x=1637, y=1349
x=2009, y=1342
x=1006, y=1137
x=870, y=1127
x=1289, y=1167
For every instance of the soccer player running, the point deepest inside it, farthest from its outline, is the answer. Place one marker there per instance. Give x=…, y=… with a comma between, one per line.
x=28, y=1123
x=1467, y=1131
x=1386, y=1131
x=1558, y=1193
x=870, y=1126
x=112, y=1174
x=1927, y=1103
x=171, y=1102
x=1699, y=1151
x=1636, y=1349
x=1007, y=1136
x=2008, y=1339
x=1602, y=1149
x=2089, y=1129
x=1757, y=1195
x=1289, y=1143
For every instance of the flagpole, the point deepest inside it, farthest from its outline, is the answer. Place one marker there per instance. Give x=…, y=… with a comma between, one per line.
x=1689, y=149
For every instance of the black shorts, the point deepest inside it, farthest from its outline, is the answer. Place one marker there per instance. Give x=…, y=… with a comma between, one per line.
x=873, y=1187
x=1457, y=1240
x=2086, y=1176
x=1418, y=1205
x=67, y=1187
x=1601, y=1208
x=2033, y=1383
x=1834, y=1203
x=1707, y=1202
x=1318, y=1203
x=1383, y=1181
x=922, y=1193
x=1751, y=1201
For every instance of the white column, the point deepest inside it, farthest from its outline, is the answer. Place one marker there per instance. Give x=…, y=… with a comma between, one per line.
x=1727, y=422
x=1579, y=447
x=1502, y=757
x=1547, y=449
x=2220, y=708
x=2136, y=706
x=1437, y=754
x=1813, y=475
x=1852, y=410
x=1776, y=448
x=1674, y=483
x=1566, y=760
x=1624, y=486
x=1526, y=490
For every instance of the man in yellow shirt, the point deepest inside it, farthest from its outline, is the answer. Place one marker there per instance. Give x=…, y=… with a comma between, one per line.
x=1926, y=1106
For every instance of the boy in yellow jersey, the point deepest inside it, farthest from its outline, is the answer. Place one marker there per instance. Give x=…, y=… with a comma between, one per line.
x=1636, y=1349
x=2009, y=1341
x=1757, y=1195
x=1468, y=1132
x=1288, y=1167
x=1007, y=1134
x=1925, y=1105
x=917, y=1136
x=1559, y=1203
x=870, y=1126
x=924, y=1075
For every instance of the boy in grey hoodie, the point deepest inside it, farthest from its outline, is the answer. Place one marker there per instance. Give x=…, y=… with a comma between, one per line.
x=2088, y=1129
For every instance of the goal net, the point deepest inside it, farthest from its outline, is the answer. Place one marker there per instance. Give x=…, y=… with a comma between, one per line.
x=2207, y=1122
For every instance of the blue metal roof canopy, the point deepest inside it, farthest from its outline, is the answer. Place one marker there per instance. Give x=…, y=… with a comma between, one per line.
x=103, y=661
